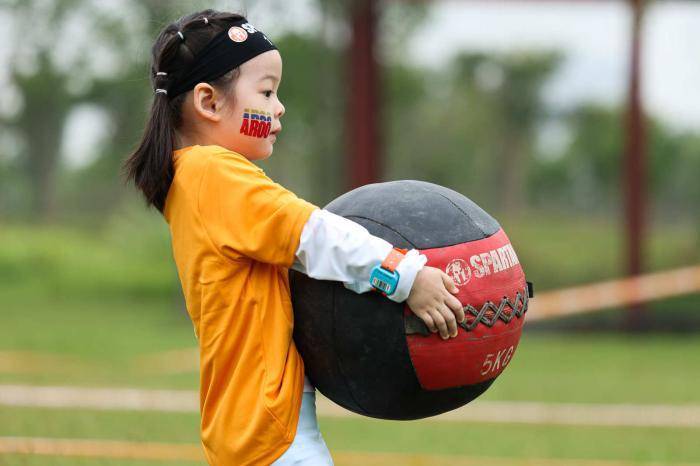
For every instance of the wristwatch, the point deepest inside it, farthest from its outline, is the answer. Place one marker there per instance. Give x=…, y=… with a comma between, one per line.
x=384, y=277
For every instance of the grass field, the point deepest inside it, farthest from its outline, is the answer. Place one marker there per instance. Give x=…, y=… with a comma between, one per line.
x=94, y=310
x=665, y=446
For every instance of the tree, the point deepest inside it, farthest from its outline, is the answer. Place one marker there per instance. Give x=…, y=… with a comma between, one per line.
x=504, y=104
x=471, y=127
x=587, y=173
x=56, y=70
x=46, y=106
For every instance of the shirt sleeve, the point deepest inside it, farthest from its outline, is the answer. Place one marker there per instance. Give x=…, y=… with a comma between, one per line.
x=245, y=213
x=332, y=247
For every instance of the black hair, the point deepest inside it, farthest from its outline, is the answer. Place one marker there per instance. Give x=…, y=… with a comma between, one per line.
x=150, y=166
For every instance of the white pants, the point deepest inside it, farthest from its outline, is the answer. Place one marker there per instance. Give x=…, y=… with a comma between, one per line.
x=308, y=447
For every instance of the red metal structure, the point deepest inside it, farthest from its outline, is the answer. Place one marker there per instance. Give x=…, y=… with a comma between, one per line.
x=364, y=156
x=364, y=159
x=634, y=169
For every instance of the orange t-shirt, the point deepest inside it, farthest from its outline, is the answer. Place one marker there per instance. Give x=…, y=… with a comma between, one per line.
x=234, y=235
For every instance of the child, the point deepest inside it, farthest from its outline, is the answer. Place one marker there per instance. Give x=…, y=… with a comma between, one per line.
x=235, y=233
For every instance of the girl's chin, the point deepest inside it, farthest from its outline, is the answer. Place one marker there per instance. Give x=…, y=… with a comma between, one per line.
x=260, y=151
x=263, y=154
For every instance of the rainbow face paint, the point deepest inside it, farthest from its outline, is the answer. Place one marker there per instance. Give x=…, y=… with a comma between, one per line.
x=256, y=123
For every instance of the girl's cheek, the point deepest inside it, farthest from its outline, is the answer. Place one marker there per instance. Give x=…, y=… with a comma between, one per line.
x=256, y=123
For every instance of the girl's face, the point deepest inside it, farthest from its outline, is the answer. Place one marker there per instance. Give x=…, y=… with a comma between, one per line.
x=253, y=121
x=249, y=122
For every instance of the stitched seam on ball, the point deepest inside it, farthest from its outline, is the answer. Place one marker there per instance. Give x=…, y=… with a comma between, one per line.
x=385, y=226
x=519, y=307
x=461, y=210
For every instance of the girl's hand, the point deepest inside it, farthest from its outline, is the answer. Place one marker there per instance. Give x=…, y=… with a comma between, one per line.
x=432, y=301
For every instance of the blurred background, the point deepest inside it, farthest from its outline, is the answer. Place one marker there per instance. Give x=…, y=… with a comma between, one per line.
x=576, y=124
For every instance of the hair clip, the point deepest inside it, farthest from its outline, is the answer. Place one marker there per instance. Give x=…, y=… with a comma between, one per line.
x=161, y=91
x=206, y=21
x=161, y=73
x=182, y=37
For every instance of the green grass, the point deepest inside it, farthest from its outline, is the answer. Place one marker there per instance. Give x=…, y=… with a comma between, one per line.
x=558, y=251
x=100, y=343
x=512, y=441
x=123, y=425
x=369, y=435
x=602, y=369
x=130, y=255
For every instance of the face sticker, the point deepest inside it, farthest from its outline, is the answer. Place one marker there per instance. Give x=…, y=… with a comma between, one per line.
x=256, y=123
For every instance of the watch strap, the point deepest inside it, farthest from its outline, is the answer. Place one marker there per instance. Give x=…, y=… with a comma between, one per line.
x=392, y=260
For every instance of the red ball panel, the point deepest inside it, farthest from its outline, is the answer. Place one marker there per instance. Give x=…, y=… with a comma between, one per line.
x=493, y=289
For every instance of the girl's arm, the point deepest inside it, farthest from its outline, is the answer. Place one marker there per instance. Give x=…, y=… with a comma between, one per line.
x=335, y=248
x=245, y=214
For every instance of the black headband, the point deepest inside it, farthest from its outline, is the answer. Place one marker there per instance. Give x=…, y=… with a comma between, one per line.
x=227, y=50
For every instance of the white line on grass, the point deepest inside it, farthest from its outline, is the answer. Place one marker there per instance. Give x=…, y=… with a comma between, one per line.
x=620, y=415
x=173, y=453
x=99, y=398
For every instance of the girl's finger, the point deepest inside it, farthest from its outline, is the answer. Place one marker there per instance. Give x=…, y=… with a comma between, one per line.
x=450, y=320
x=456, y=307
x=428, y=320
x=440, y=323
x=449, y=283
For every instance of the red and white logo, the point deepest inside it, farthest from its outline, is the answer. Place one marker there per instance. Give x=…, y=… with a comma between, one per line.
x=494, y=261
x=481, y=265
x=460, y=271
x=237, y=34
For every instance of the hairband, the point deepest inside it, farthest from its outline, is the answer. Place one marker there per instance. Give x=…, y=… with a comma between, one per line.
x=228, y=49
x=161, y=91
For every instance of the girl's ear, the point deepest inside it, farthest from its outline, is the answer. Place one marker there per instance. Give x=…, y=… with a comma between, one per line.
x=207, y=102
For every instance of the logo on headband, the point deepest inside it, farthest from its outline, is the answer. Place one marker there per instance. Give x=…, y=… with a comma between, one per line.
x=237, y=34
x=249, y=27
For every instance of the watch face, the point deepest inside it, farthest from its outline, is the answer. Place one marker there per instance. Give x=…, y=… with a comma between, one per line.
x=381, y=285
x=384, y=280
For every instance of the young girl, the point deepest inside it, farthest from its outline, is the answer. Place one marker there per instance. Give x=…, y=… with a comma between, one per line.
x=235, y=233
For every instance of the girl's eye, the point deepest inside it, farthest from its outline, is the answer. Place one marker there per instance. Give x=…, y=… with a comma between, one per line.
x=267, y=93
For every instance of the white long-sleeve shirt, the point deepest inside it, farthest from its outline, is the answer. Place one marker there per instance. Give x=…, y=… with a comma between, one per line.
x=335, y=248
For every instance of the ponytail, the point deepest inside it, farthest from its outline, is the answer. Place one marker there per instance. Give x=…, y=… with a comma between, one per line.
x=150, y=166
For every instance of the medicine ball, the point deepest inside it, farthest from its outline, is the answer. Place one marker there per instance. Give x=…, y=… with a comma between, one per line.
x=374, y=356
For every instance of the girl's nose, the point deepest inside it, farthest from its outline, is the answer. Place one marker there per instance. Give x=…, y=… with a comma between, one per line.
x=280, y=111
